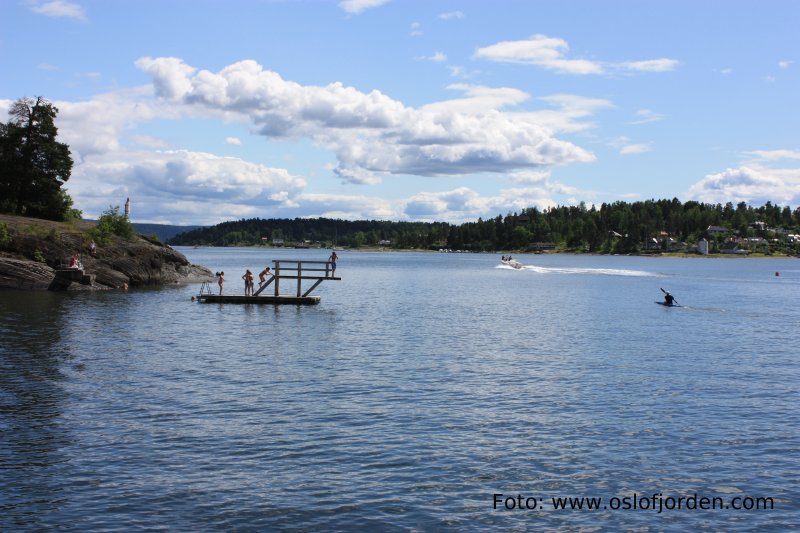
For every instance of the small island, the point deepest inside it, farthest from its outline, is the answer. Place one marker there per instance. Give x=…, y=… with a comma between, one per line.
x=33, y=252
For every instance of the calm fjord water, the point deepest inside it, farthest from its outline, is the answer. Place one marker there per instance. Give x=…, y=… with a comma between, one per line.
x=420, y=387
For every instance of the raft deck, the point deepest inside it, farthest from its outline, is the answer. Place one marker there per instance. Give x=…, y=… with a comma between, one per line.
x=241, y=299
x=318, y=271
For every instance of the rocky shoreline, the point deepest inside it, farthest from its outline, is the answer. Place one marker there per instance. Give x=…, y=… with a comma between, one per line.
x=36, y=250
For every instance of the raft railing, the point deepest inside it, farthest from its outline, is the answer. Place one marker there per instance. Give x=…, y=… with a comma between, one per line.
x=316, y=271
x=299, y=270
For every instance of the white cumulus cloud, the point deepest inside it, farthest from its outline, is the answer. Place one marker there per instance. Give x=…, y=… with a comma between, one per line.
x=551, y=53
x=96, y=126
x=643, y=116
x=451, y=15
x=773, y=155
x=371, y=134
x=463, y=204
x=635, y=149
x=162, y=181
x=353, y=207
x=541, y=50
x=355, y=7
x=438, y=57
x=651, y=65
x=59, y=8
x=170, y=75
x=752, y=184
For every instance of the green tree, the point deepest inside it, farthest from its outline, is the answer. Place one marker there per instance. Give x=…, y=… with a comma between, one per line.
x=33, y=165
x=359, y=239
x=112, y=223
x=5, y=237
x=521, y=237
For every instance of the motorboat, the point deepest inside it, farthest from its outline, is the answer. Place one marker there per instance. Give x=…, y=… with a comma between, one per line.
x=513, y=263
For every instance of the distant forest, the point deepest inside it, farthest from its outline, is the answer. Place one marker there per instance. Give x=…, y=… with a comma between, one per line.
x=619, y=227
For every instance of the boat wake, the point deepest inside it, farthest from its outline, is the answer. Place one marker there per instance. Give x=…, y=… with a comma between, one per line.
x=593, y=271
x=590, y=271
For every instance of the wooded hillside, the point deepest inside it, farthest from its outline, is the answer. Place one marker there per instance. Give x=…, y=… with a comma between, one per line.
x=619, y=227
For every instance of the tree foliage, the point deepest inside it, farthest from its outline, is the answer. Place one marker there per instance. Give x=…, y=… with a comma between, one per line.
x=33, y=164
x=617, y=227
x=111, y=222
x=348, y=233
x=5, y=237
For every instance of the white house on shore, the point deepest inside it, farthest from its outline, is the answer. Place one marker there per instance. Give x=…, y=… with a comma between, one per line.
x=716, y=230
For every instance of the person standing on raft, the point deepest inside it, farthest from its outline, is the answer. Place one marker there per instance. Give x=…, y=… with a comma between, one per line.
x=332, y=260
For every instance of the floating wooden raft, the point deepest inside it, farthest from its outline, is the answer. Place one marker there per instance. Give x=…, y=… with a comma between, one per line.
x=318, y=271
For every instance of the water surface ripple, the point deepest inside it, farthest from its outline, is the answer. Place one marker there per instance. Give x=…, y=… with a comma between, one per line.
x=421, y=385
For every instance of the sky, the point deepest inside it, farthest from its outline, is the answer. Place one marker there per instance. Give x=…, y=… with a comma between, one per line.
x=206, y=111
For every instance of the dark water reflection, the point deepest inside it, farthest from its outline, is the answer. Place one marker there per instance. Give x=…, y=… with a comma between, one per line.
x=31, y=402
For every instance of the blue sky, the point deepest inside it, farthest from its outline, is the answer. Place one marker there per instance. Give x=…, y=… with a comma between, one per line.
x=204, y=111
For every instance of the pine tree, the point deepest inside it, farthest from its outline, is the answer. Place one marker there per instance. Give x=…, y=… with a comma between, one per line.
x=33, y=165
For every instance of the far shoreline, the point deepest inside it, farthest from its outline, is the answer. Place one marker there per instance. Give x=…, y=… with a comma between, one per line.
x=374, y=249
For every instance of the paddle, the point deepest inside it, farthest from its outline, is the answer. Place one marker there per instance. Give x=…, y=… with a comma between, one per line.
x=673, y=298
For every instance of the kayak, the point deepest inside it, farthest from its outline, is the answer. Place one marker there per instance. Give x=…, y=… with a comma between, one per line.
x=665, y=304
